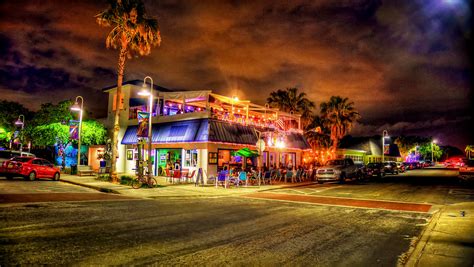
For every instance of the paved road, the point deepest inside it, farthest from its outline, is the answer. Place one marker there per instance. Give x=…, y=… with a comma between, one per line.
x=215, y=231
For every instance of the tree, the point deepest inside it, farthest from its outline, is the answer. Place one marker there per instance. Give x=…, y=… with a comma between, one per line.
x=9, y=112
x=408, y=144
x=339, y=115
x=132, y=32
x=93, y=133
x=290, y=100
x=425, y=151
x=51, y=113
x=316, y=133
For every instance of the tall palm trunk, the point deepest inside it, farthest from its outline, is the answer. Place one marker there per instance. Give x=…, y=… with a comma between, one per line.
x=120, y=70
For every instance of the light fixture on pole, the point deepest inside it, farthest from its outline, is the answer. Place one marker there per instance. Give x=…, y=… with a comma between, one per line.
x=384, y=135
x=234, y=99
x=80, y=108
x=20, y=122
x=144, y=92
x=432, y=142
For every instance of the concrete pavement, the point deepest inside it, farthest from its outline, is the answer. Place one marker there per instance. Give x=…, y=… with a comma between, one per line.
x=448, y=240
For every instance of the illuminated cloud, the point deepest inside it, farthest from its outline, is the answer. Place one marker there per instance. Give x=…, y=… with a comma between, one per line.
x=399, y=61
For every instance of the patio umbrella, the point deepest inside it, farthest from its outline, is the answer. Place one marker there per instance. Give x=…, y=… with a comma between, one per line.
x=246, y=152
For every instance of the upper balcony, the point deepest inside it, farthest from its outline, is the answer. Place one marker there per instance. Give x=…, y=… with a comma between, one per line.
x=184, y=105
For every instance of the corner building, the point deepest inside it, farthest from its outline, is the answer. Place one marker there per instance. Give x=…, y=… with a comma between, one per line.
x=201, y=129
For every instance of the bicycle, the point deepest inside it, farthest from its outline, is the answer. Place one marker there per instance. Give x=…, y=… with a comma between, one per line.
x=144, y=179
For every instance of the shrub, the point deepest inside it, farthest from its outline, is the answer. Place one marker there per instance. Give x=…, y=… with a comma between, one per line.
x=126, y=179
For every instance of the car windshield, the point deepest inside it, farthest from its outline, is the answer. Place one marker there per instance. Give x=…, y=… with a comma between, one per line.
x=336, y=162
x=21, y=159
x=470, y=163
x=372, y=165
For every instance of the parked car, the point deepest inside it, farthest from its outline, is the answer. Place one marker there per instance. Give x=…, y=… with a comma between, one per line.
x=8, y=154
x=466, y=172
x=390, y=167
x=374, y=169
x=30, y=168
x=411, y=165
x=338, y=170
x=400, y=166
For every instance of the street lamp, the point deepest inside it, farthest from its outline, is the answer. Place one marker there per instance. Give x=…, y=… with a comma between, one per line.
x=384, y=135
x=432, y=142
x=80, y=108
x=21, y=122
x=144, y=92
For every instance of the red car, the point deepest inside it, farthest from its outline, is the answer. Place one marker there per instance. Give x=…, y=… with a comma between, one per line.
x=30, y=168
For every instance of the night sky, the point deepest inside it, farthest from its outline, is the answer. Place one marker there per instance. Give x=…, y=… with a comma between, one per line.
x=405, y=64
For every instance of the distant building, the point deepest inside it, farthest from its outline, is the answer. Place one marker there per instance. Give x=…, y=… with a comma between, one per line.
x=201, y=129
x=363, y=150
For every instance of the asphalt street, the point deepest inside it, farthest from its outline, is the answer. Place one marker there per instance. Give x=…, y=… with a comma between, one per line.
x=235, y=230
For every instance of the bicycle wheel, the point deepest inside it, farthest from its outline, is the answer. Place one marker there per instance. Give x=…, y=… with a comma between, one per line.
x=152, y=183
x=136, y=184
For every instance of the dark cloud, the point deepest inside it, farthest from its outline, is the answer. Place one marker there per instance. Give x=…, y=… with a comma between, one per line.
x=401, y=62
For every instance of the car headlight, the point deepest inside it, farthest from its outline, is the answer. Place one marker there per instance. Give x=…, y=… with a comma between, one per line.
x=337, y=172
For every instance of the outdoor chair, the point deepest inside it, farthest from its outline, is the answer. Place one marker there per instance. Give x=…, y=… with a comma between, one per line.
x=187, y=177
x=298, y=176
x=222, y=178
x=176, y=176
x=267, y=177
x=289, y=176
x=243, y=178
x=277, y=175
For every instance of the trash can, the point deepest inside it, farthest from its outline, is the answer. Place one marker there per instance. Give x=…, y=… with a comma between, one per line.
x=73, y=169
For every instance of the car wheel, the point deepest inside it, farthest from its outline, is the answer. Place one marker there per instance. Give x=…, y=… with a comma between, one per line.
x=342, y=179
x=9, y=177
x=32, y=176
x=56, y=176
x=319, y=181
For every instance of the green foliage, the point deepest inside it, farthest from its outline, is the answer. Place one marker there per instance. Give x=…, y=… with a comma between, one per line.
x=49, y=134
x=291, y=100
x=9, y=112
x=93, y=133
x=425, y=151
x=104, y=177
x=50, y=113
x=338, y=115
x=408, y=144
x=126, y=179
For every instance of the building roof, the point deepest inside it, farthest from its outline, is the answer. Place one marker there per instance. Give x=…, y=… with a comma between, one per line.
x=139, y=83
x=372, y=145
x=207, y=130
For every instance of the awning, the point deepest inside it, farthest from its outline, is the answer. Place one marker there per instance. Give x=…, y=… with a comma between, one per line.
x=206, y=130
x=246, y=152
x=171, y=132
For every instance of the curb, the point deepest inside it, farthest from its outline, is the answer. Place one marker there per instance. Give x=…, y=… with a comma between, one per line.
x=415, y=251
x=98, y=188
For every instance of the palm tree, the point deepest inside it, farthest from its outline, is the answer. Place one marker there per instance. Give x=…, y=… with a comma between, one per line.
x=339, y=114
x=132, y=32
x=290, y=100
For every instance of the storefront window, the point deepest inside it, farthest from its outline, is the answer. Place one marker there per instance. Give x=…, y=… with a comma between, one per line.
x=226, y=157
x=288, y=160
x=190, y=158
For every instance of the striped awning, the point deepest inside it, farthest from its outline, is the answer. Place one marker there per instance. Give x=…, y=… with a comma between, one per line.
x=206, y=130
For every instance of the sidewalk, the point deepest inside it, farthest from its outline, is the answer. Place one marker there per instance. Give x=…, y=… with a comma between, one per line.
x=169, y=190
x=448, y=240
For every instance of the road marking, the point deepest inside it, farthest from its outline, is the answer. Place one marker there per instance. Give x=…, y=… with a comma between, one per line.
x=345, y=202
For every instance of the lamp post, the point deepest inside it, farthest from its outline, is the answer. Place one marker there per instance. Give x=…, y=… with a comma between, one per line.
x=150, y=105
x=384, y=135
x=234, y=99
x=22, y=123
x=80, y=108
x=432, y=142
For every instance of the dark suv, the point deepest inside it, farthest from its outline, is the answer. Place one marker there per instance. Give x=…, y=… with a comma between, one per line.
x=374, y=169
x=390, y=167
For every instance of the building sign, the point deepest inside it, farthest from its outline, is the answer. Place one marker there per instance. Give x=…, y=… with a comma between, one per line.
x=74, y=130
x=212, y=158
x=143, y=118
x=386, y=149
